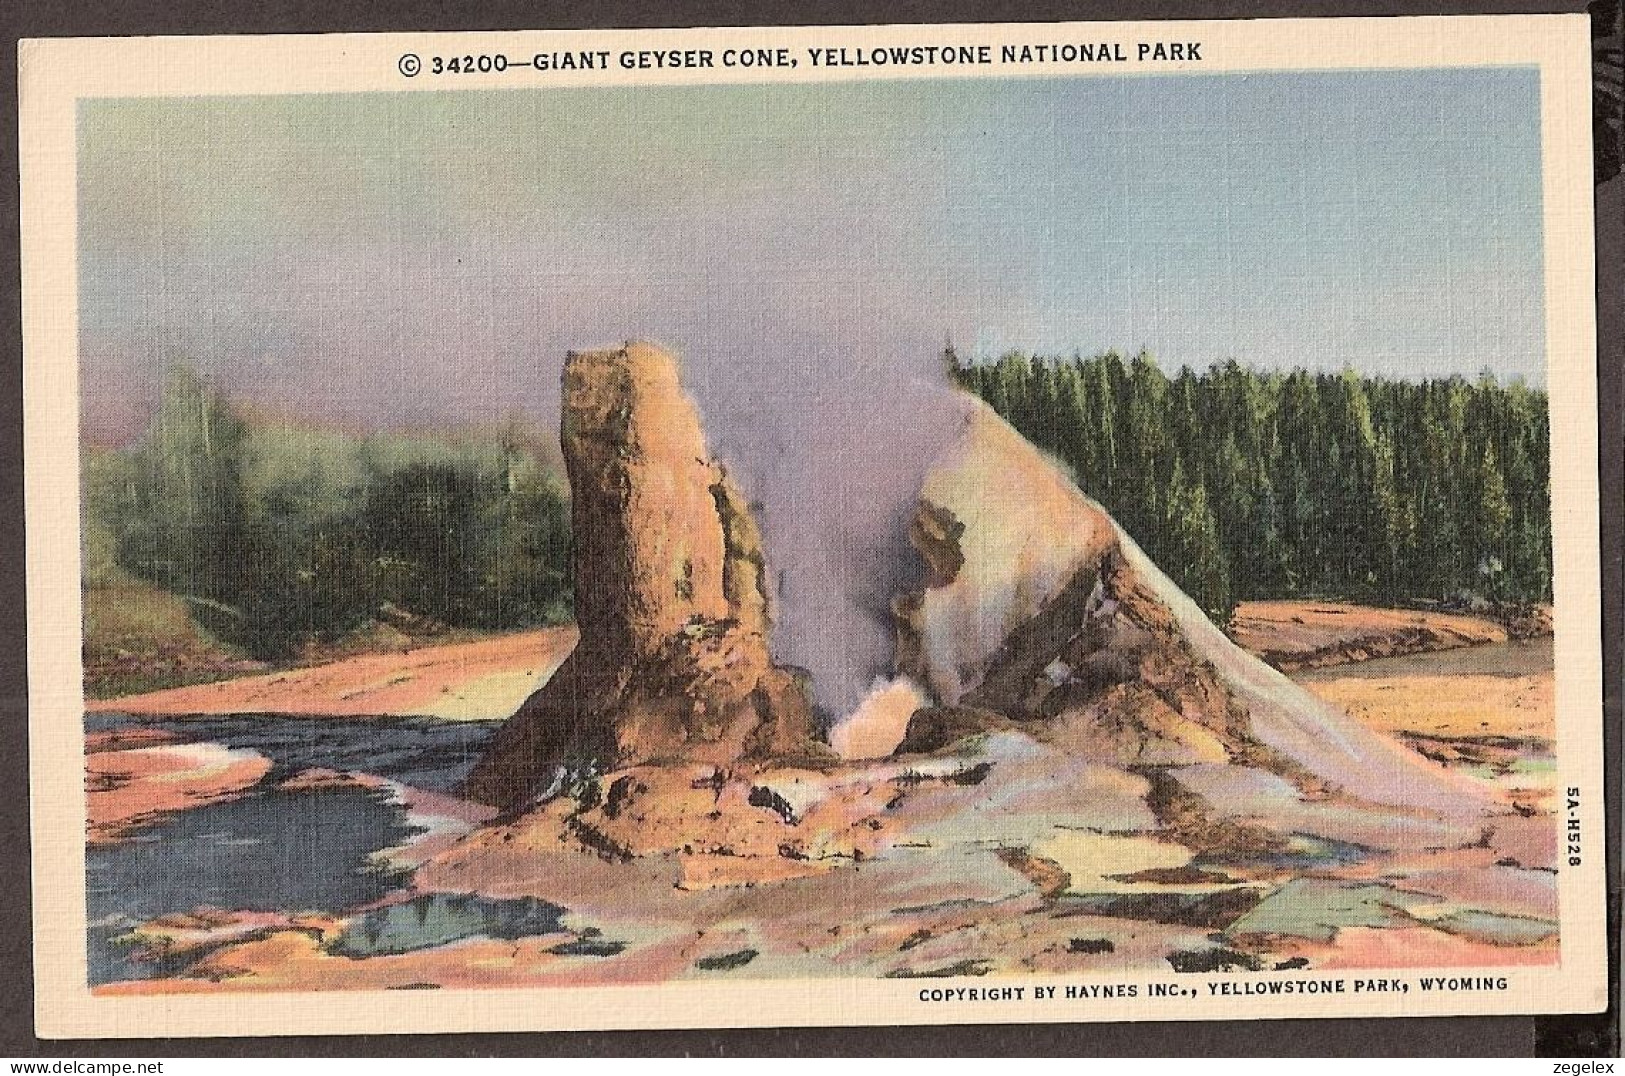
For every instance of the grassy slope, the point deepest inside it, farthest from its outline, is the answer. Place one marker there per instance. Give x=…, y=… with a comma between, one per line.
x=139, y=637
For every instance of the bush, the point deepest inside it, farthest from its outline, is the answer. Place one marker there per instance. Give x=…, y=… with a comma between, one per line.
x=278, y=536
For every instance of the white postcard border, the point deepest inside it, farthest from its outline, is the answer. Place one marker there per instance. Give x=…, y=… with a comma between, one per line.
x=56, y=74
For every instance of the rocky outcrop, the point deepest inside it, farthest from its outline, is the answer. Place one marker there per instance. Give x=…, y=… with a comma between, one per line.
x=673, y=660
x=1001, y=533
x=1038, y=613
x=1030, y=617
x=1097, y=664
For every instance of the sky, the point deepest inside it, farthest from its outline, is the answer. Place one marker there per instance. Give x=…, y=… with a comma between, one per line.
x=424, y=260
x=417, y=258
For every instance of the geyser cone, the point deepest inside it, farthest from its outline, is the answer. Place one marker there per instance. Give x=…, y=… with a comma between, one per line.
x=673, y=661
x=1039, y=613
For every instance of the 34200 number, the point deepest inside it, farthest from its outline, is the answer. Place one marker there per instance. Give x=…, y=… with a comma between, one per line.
x=482, y=64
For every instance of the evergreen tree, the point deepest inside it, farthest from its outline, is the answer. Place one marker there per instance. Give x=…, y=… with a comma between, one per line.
x=1246, y=484
x=1191, y=539
x=185, y=529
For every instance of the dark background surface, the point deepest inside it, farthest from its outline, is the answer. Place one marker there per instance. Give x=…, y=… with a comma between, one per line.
x=1513, y=1036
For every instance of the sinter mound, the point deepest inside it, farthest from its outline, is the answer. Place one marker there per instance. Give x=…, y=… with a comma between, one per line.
x=1039, y=613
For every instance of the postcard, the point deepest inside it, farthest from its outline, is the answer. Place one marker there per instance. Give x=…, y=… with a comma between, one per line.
x=812, y=526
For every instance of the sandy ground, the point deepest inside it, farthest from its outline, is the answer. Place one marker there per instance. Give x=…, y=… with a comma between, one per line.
x=489, y=678
x=1304, y=635
x=461, y=681
x=1506, y=690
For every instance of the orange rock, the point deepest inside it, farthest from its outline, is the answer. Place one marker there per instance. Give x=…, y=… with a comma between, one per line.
x=673, y=661
x=426, y=680
x=131, y=788
x=1303, y=635
x=1419, y=947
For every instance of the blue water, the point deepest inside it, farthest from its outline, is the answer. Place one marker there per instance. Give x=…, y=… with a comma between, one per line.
x=432, y=919
x=271, y=850
x=423, y=752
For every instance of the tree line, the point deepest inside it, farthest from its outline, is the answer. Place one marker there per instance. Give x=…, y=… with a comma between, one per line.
x=1248, y=484
x=1242, y=484
x=278, y=535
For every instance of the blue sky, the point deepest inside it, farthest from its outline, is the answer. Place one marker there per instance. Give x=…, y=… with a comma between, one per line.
x=418, y=258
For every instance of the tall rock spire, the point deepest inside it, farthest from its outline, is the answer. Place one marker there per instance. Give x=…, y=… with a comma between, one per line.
x=673, y=661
